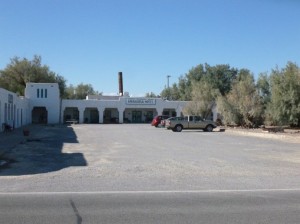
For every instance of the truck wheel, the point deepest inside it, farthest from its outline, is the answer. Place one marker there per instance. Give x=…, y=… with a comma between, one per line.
x=178, y=128
x=209, y=128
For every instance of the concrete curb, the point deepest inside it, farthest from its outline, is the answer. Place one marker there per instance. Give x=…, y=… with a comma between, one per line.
x=293, y=138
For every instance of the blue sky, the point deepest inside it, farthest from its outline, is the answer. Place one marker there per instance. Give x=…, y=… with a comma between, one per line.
x=90, y=41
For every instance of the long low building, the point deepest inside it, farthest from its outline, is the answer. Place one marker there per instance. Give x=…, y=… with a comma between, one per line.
x=42, y=105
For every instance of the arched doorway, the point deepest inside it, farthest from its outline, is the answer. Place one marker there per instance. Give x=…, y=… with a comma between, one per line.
x=39, y=115
x=71, y=114
x=111, y=116
x=91, y=115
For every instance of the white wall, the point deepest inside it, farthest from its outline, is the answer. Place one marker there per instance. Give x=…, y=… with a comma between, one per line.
x=13, y=109
x=128, y=103
x=47, y=95
x=44, y=95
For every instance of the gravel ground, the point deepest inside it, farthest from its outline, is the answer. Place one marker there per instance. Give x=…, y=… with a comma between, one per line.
x=83, y=158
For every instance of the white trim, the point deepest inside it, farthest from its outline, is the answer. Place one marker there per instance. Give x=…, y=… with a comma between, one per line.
x=158, y=192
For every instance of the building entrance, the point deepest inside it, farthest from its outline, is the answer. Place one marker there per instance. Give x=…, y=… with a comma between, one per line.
x=39, y=115
x=136, y=116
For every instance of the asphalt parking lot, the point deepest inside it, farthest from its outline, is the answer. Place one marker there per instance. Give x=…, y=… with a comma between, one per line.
x=127, y=157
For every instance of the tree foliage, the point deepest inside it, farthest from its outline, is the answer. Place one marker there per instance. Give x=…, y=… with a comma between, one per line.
x=151, y=95
x=220, y=77
x=171, y=93
x=284, y=105
x=20, y=71
x=204, y=96
x=80, y=91
x=264, y=88
x=273, y=99
x=242, y=105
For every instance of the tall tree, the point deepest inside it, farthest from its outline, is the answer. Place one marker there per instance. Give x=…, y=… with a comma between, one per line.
x=80, y=91
x=150, y=95
x=242, y=105
x=284, y=106
x=264, y=88
x=20, y=71
x=204, y=96
x=221, y=77
x=171, y=93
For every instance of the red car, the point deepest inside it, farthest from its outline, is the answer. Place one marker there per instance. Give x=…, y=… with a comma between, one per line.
x=157, y=119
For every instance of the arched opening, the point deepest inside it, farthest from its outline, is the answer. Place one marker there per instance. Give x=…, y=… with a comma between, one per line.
x=91, y=115
x=111, y=116
x=39, y=115
x=71, y=114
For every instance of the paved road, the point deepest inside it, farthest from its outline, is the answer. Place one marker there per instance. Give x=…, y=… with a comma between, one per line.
x=152, y=207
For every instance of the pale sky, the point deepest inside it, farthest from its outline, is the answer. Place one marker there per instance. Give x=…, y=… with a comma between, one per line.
x=91, y=41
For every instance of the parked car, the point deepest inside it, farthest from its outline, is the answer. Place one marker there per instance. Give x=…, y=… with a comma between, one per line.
x=190, y=122
x=168, y=121
x=157, y=120
x=163, y=122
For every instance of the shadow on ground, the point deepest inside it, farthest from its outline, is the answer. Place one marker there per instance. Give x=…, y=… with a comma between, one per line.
x=42, y=152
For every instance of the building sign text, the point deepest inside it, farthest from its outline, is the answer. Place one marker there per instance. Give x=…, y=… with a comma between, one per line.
x=140, y=101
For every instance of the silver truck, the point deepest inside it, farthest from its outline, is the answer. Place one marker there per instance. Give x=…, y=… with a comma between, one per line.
x=190, y=122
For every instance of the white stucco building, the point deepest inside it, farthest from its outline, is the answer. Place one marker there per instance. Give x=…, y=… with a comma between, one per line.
x=42, y=104
x=14, y=110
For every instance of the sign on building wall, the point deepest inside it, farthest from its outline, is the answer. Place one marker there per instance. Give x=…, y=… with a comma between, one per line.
x=138, y=101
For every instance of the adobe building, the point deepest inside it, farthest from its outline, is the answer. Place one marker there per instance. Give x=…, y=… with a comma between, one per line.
x=118, y=109
x=14, y=110
x=42, y=105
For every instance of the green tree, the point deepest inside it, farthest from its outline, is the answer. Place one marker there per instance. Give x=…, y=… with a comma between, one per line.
x=184, y=89
x=242, y=105
x=204, y=96
x=284, y=106
x=150, y=95
x=221, y=77
x=80, y=91
x=21, y=71
x=171, y=93
x=264, y=88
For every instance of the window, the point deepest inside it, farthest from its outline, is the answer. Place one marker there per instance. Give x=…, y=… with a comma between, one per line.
x=198, y=118
x=42, y=93
x=46, y=93
x=5, y=112
x=38, y=93
x=8, y=111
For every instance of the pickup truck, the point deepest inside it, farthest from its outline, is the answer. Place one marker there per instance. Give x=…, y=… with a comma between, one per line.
x=189, y=122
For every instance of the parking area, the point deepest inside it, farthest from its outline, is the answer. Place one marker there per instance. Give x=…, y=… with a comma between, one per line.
x=140, y=157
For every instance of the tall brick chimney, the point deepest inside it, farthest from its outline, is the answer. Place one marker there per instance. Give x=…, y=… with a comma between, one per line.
x=120, y=84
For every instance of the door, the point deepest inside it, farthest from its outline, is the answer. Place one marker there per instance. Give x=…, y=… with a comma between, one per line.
x=197, y=123
x=107, y=116
x=136, y=116
x=149, y=116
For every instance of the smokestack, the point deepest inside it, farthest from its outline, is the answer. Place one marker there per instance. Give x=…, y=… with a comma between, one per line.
x=120, y=84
